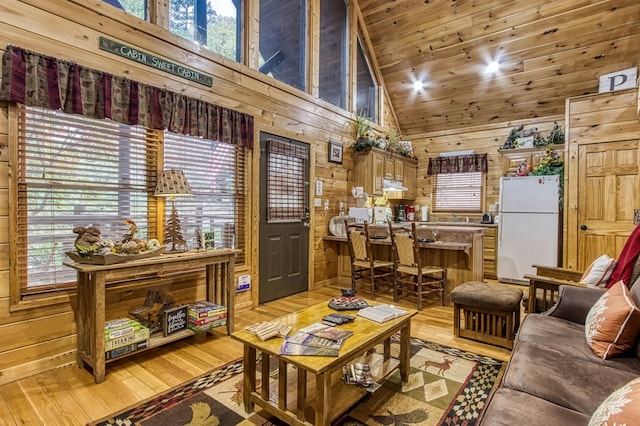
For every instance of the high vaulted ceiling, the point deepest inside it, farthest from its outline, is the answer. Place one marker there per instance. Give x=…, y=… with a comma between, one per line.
x=548, y=50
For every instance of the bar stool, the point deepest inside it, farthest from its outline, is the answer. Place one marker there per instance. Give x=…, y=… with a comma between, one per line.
x=412, y=276
x=365, y=269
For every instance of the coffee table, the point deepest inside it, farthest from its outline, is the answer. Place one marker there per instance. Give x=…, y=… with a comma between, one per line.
x=298, y=401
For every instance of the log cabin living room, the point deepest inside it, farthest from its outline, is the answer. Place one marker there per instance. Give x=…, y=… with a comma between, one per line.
x=470, y=168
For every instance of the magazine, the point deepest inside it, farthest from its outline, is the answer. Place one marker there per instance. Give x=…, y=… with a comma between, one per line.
x=359, y=374
x=333, y=333
x=305, y=339
x=381, y=313
x=289, y=348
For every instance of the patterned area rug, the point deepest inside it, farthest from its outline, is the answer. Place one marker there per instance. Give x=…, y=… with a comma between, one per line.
x=446, y=386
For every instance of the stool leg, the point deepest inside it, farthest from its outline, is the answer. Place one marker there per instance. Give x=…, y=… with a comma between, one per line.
x=456, y=319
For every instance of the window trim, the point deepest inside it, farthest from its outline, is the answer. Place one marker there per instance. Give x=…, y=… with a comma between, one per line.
x=18, y=300
x=470, y=209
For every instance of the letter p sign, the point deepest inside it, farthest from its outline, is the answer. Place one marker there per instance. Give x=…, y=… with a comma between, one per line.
x=625, y=79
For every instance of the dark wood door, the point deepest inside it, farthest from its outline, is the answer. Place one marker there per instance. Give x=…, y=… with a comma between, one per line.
x=284, y=218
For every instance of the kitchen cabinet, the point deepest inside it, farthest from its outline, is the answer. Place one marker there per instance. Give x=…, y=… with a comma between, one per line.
x=373, y=166
x=369, y=171
x=409, y=181
x=490, y=254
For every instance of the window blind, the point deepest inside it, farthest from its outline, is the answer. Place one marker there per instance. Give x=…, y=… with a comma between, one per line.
x=76, y=171
x=216, y=172
x=457, y=192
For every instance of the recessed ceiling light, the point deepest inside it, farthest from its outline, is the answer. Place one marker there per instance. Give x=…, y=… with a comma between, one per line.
x=418, y=85
x=492, y=67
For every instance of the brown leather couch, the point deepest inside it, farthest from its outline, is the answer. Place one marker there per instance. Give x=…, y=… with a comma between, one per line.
x=553, y=377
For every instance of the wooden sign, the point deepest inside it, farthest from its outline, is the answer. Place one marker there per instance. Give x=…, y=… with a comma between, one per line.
x=174, y=320
x=625, y=79
x=153, y=61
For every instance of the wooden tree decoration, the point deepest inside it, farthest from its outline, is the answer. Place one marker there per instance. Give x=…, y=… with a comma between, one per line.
x=198, y=236
x=173, y=231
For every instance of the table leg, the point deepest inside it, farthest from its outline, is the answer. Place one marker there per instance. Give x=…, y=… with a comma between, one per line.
x=405, y=341
x=302, y=394
x=323, y=398
x=97, y=325
x=81, y=316
x=249, y=377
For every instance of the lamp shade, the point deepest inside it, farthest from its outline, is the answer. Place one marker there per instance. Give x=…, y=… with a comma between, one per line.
x=172, y=183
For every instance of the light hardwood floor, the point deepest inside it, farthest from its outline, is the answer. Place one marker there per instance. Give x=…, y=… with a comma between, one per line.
x=69, y=396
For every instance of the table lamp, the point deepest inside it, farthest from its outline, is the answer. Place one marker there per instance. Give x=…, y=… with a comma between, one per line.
x=173, y=183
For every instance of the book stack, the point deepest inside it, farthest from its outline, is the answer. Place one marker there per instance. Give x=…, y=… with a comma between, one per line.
x=205, y=315
x=359, y=374
x=123, y=336
x=317, y=339
x=266, y=330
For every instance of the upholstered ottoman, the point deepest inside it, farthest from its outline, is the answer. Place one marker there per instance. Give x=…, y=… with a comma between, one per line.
x=491, y=312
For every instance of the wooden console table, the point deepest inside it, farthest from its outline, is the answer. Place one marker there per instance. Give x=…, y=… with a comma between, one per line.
x=218, y=265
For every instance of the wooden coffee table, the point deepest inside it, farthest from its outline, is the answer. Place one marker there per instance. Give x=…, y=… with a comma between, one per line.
x=297, y=402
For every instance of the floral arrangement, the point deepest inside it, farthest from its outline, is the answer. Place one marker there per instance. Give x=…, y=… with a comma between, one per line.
x=89, y=242
x=517, y=134
x=550, y=164
x=365, y=138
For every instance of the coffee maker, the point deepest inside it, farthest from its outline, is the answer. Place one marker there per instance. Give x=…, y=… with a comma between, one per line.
x=401, y=213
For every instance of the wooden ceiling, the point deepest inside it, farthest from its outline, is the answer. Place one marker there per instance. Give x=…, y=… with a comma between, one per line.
x=548, y=50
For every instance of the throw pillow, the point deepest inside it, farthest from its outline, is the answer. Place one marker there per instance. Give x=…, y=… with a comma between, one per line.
x=598, y=273
x=622, y=407
x=613, y=322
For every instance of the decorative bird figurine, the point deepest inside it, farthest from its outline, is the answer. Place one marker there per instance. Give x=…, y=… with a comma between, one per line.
x=200, y=415
x=417, y=416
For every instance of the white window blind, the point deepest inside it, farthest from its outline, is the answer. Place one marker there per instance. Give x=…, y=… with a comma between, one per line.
x=457, y=192
x=216, y=174
x=76, y=171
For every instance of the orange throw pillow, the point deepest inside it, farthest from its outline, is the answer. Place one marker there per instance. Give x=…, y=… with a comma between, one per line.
x=613, y=323
x=622, y=407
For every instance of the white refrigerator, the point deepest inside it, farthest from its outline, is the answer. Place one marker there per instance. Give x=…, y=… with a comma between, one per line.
x=528, y=225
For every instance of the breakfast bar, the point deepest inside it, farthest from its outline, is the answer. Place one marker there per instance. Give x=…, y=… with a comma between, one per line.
x=459, y=249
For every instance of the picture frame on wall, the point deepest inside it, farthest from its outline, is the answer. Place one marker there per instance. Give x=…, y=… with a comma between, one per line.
x=335, y=152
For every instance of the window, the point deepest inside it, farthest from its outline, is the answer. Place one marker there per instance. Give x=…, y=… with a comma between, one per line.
x=457, y=192
x=367, y=92
x=214, y=24
x=76, y=171
x=333, y=52
x=217, y=180
x=283, y=40
x=138, y=8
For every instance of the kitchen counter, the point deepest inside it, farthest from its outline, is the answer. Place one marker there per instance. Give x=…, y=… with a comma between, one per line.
x=459, y=249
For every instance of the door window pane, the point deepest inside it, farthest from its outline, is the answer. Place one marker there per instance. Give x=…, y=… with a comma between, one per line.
x=214, y=24
x=283, y=41
x=333, y=52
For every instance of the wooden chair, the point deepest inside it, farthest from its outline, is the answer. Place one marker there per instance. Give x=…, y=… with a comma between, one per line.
x=365, y=269
x=411, y=275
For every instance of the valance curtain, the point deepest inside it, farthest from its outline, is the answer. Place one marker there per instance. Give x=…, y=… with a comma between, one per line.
x=33, y=79
x=457, y=164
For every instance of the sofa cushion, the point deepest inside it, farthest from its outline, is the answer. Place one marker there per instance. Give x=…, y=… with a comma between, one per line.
x=510, y=407
x=560, y=335
x=561, y=378
x=613, y=323
x=622, y=407
x=597, y=274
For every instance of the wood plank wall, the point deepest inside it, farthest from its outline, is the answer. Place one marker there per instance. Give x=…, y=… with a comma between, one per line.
x=38, y=340
x=482, y=139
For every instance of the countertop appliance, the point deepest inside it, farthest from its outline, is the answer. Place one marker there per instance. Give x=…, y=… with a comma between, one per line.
x=528, y=232
x=486, y=218
x=360, y=214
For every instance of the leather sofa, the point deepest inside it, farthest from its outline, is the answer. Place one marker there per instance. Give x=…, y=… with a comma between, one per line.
x=553, y=376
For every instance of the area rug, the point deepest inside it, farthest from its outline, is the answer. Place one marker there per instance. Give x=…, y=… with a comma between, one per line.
x=446, y=386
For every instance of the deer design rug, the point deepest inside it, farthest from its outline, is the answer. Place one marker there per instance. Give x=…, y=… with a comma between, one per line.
x=446, y=386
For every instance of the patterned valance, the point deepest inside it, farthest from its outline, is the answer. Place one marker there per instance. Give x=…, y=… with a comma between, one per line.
x=36, y=80
x=457, y=164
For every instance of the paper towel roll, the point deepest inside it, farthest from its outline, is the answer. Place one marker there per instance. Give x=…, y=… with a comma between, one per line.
x=424, y=213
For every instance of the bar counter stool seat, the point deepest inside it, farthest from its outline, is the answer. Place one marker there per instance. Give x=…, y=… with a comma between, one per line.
x=365, y=269
x=412, y=277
